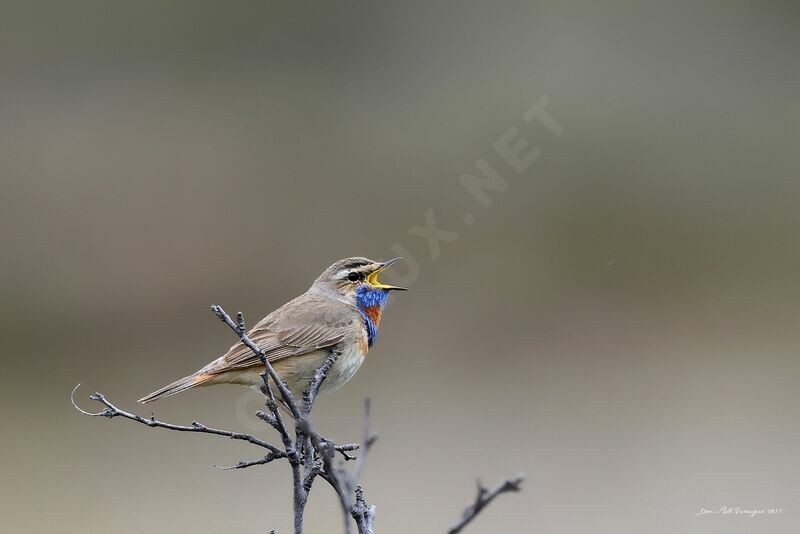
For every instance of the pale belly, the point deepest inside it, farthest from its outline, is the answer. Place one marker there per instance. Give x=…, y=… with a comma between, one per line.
x=297, y=371
x=346, y=366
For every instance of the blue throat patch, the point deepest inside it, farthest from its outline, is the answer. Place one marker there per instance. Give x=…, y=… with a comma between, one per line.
x=367, y=297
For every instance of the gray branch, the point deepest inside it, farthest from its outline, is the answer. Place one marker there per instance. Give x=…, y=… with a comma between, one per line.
x=249, y=463
x=239, y=328
x=112, y=411
x=307, y=443
x=351, y=495
x=310, y=455
x=483, y=498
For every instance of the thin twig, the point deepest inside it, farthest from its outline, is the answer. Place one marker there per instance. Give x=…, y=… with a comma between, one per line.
x=343, y=449
x=303, y=430
x=368, y=441
x=333, y=477
x=249, y=463
x=310, y=395
x=346, y=485
x=483, y=498
x=274, y=418
x=309, y=454
x=238, y=327
x=112, y=411
x=305, y=437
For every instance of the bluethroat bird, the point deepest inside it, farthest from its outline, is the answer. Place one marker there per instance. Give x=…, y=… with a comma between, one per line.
x=341, y=311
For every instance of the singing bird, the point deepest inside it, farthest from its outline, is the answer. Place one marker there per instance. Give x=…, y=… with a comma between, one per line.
x=341, y=312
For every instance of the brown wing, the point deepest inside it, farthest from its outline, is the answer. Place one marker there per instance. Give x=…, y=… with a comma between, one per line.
x=308, y=323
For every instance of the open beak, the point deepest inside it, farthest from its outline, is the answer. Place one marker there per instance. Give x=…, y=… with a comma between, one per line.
x=372, y=279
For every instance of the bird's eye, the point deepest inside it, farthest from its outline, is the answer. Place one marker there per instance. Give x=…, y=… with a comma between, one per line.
x=353, y=276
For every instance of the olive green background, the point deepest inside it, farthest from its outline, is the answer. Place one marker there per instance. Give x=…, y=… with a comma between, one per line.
x=621, y=323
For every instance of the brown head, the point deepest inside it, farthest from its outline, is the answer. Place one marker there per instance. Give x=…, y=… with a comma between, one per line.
x=346, y=276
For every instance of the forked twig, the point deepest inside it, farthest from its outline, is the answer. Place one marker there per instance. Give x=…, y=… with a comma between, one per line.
x=483, y=498
x=112, y=411
x=309, y=454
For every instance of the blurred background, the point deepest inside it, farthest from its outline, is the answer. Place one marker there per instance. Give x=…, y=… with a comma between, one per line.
x=620, y=324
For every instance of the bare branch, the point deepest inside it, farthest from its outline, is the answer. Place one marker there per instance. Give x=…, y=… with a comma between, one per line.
x=333, y=477
x=274, y=419
x=483, y=498
x=368, y=441
x=301, y=450
x=346, y=485
x=112, y=411
x=239, y=328
x=363, y=513
x=343, y=449
x=249, y=463
x=310, y=455
x=310, y=395
x=311, y=475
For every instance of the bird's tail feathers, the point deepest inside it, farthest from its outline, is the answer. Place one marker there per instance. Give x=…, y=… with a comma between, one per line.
x=183, y=384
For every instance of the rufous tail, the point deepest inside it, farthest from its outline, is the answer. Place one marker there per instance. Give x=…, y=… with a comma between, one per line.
x=183, y=384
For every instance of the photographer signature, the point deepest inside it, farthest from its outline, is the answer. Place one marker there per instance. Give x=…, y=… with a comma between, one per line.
x=738, y=510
